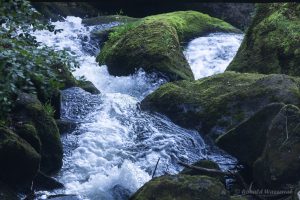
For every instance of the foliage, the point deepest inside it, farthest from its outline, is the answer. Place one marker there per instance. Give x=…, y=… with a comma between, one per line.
x=24, y=64
x=49, y=109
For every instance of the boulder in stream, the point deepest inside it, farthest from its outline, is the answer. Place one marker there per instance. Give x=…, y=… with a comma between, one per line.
x=154, y=43
x=214, y=105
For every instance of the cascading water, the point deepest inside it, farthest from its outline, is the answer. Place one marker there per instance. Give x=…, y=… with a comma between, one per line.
x=211, y=54
x=115, y=147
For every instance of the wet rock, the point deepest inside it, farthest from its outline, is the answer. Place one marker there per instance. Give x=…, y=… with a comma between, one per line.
x=19, y=161
x=279, y=163
x=271, y=44
x=65, y=126
x=44, y=182
x=88, y=86
x=216, y=104
x=182, y=187
x=29, y=110
x=153, y=43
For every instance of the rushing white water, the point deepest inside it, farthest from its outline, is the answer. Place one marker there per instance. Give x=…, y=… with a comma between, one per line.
x=115, y=147
x=212, y=54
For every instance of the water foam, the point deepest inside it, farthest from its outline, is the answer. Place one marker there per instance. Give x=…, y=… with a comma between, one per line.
x=211, y=54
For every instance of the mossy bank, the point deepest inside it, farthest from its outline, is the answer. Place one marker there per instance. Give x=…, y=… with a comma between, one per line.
x=154, y=43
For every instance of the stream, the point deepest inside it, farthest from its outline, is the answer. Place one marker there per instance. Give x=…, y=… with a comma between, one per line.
x=115, y=147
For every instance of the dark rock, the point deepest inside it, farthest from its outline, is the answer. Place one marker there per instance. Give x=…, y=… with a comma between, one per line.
x=65, y=125
x=29, y=133
x=88, y=86
x=19, y=161
x=44, y=182
x=279, y=163
x=29, y=110
x=182, y=187
x=247, y=141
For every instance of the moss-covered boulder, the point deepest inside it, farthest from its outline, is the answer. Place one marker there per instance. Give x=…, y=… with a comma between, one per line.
x=280, y=163
x=208, y=164
x=247, y=141
x=153, y=43
x=19, y=161
x=182, y=187
x=218, y=103
x=29, y=110
x=271, y=44
x=29, y=133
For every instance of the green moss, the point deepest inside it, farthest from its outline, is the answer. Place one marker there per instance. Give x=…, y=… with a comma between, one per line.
x=28, y=132
x=271, y=44
x=218, y=103
x=19, y=161
x=153, y=43
x=182, y=187
x=29, y=110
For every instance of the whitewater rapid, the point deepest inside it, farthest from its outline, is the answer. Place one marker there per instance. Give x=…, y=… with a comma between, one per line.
x=114, y=149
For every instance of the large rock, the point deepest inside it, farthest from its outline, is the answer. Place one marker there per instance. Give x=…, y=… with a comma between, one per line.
x=182, y=187
x=280, y=162
x=29, y=110
x=271, y=44
x=247, y=141
x=218, y=103
x=153, y=43
x=19, y=161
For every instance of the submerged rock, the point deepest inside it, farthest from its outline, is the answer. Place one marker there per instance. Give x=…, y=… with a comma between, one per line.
x=182, y=187
x=29, y=110
x=153, y=43
x=271, y=44
x=19, y=161
x=215, y=104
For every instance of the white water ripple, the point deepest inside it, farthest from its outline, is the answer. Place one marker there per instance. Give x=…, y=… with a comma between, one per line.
x=212, y=54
